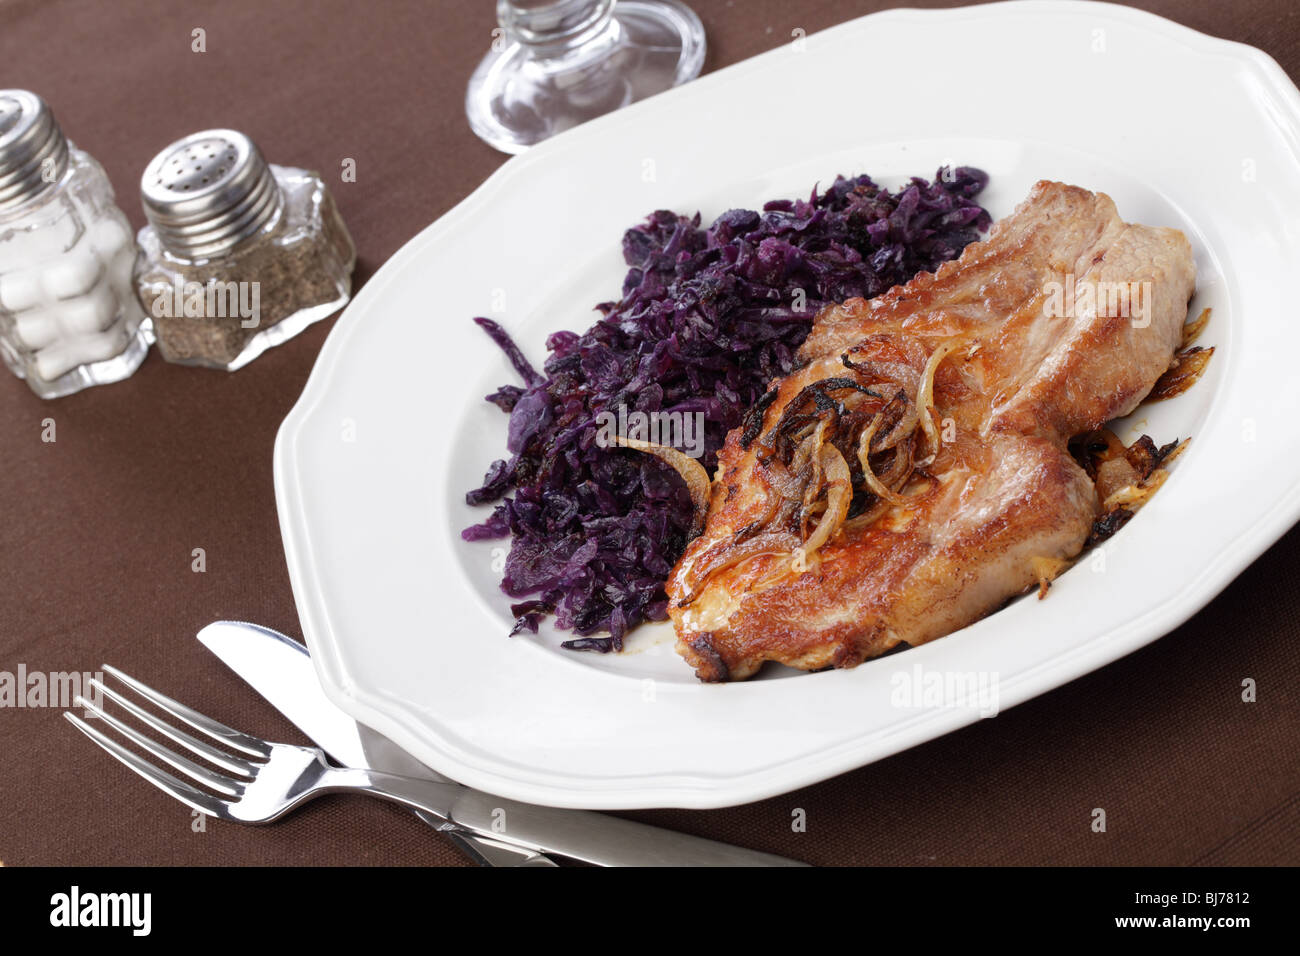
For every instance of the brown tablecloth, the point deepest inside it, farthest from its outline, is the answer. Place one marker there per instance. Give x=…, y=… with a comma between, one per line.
x=99, y=526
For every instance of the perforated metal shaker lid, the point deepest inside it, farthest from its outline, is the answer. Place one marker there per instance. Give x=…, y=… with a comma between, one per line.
x=33, y=150
x=208, y=192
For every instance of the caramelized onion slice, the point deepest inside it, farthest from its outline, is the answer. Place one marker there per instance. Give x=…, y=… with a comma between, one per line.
x=814, y=487
x=900, y=470
x=1188, y=367
x=925, y=396
x=1166, y=461
x=839, y=493
x=1193, y=329
x=877, y=486
x=728, y=556
x=1135, y=496
x=904, y=428
x=692, y=472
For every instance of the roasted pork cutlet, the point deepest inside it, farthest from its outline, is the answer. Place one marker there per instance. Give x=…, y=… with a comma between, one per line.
x=912, y=474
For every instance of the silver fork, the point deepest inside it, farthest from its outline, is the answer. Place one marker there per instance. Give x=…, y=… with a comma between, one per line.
x=262, y=781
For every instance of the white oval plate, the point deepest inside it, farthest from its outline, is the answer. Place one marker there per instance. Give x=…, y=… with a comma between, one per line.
x=404, y=620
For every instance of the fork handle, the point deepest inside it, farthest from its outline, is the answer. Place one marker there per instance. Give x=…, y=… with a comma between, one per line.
x=578, y=834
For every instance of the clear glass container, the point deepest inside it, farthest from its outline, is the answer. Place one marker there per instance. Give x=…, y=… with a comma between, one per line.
x=69, y=317
x=239, y=255
x=557, y=63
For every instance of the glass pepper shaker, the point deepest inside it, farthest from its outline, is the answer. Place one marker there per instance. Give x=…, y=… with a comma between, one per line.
x=239, y=255
x=69, y=317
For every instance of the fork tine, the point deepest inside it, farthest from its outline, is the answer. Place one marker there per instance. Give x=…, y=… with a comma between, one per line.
x=219, y=732
x=233, y=764
x=186, y=766
x=196, y=799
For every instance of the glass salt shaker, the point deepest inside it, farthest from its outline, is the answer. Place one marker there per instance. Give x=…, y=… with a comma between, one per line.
x=69, y=317
x=239, y=254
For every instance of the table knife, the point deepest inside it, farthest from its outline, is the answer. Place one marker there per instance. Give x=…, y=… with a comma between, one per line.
x=264, y=657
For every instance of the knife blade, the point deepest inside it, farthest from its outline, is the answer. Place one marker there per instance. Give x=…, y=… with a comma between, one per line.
x=280, y=669
x=261, y=656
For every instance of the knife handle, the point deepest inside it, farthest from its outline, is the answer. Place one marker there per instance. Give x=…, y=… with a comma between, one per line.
x=483, y=851
x=599, y=838
x=579, y=834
